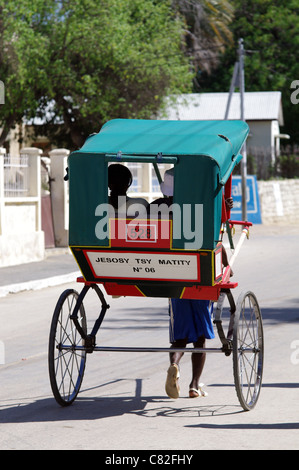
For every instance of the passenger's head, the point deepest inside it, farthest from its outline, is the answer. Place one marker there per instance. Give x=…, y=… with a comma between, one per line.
x=167, y=185
x=119, y=178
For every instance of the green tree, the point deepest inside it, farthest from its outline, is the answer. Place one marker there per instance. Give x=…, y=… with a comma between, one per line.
x=270, y=30
x=21, y=52
x=92, y=61
x=207, y=29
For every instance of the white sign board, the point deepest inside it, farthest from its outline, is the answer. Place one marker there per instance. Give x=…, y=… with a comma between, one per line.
x=144, y=265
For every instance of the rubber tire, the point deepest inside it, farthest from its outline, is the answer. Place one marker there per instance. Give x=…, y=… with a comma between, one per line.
x=248, y=365
x=66, y=367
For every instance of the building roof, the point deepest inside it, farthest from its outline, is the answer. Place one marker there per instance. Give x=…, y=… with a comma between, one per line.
x=258, y=106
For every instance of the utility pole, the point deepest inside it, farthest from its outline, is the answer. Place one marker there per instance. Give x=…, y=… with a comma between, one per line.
x=244, y=159
x=238, y=76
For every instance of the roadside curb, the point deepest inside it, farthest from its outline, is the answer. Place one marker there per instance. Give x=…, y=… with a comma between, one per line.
x=38, y=284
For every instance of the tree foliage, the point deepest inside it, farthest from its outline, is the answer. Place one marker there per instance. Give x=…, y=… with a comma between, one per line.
x=90, y=60
x=207, y=29
x=270, y=30
x=80, y=63
x=20, y=53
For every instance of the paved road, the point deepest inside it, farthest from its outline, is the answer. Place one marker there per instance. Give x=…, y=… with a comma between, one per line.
x=123, y=404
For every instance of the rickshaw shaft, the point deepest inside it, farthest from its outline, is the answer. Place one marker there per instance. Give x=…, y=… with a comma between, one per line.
x=141, y=349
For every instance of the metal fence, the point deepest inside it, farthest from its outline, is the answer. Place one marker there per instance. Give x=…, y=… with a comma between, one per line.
x=16, y=176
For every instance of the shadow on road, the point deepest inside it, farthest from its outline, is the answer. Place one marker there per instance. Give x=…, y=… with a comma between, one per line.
x=257, y=426
x=98, y=407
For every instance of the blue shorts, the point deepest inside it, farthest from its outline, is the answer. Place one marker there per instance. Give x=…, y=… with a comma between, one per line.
x=190, y=319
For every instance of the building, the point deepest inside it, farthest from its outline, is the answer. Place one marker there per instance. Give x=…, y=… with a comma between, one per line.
x=262, y=112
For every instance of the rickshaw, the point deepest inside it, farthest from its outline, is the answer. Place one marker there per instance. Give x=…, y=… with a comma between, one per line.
x=157, y=257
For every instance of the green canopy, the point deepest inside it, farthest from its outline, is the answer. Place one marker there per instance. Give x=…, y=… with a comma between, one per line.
x=220, y=140
x=204, y=154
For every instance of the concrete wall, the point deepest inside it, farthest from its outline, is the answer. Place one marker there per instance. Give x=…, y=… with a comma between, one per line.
x=21, y=236
x=59, y=195
x=279, y=200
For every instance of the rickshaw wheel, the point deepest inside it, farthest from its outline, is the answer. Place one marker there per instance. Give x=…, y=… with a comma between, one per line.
x=248, y=350
x=66, y=364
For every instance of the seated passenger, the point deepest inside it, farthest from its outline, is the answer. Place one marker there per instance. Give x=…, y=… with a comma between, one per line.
x=119, y=180
x=161, y=207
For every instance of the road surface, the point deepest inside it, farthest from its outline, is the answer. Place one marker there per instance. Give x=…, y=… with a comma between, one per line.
x=122, y=405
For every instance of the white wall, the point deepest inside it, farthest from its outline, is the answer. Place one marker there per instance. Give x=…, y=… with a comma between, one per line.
x=21, y=237
x=259, y=140
x=279, y=201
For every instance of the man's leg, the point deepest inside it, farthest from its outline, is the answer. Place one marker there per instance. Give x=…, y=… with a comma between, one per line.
x=198, y=362
x=176, y=356
x=172, y=386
